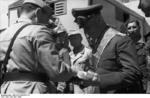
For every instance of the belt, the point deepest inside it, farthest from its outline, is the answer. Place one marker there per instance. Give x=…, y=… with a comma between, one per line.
x=25, y=76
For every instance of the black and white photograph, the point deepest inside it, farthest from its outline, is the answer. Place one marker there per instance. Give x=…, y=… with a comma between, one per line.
x=74, y=47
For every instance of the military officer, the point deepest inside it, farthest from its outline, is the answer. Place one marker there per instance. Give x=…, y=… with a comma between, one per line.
x=114, y=54
x=34, y=58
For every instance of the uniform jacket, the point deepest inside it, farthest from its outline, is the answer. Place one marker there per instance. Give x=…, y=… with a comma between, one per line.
x=142, y=60
x=141, y=52
x=82, y=59
x=118, y=66
x=33, y=51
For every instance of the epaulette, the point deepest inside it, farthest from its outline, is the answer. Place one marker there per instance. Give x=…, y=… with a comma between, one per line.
x=117, y=32
x=121, y=34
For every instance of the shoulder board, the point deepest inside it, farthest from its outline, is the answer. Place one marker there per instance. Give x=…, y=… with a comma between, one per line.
x=121, y=34
x=117, y=32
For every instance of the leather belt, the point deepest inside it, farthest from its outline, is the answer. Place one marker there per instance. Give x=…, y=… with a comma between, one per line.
x=26, y=76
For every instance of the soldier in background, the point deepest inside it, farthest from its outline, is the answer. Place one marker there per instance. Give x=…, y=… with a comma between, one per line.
x=144, y=5
x=81, y=57
x=147, y=49
x=61, y=42
x=133, y=31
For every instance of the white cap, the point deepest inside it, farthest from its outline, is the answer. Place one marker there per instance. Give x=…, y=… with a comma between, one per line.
x=40, y=3
x=74, y=32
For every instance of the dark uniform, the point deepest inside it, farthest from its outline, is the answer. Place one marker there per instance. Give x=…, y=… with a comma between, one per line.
x=142, y=60
x=118, y=69
x=144, y=5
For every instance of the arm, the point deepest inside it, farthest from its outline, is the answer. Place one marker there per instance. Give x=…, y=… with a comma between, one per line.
x=129, y=73
x=56, y=67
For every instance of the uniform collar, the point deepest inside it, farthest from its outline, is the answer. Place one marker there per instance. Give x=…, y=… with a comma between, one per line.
x=78, y=54
x=76, y=57
x=24, y=19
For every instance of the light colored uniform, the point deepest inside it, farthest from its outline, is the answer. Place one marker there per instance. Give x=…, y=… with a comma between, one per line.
x=81, y=59
x=33, y=51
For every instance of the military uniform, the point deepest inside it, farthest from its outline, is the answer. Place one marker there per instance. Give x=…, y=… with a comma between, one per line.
x=144, y=5
x=115, y=56
x=118, y=67
x=147, y=48
x=142, y=60
x=33, y=52
x=82, y=59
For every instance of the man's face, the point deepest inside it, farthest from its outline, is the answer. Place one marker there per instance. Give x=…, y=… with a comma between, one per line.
x=132, y=28
x=144, y=5
x=75, y=41
x=133, y=31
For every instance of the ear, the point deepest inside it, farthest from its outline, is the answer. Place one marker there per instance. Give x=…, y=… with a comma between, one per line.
x=37, y=11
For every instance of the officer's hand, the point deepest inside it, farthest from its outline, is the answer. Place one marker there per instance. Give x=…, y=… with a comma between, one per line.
x=89, y=75
x=61, y=87
x=89, y=78
x=76, y=68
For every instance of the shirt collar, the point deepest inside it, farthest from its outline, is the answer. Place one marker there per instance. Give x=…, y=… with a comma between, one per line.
x=80, y=53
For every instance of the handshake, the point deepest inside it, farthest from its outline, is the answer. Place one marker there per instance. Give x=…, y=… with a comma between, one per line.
x=86, y=78
x=80, y=74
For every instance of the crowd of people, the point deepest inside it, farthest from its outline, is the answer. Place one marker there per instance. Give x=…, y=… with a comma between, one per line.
x=45, y=58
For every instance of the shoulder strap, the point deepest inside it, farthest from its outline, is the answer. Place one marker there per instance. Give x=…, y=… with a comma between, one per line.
x=110, y=33
x=3, y=66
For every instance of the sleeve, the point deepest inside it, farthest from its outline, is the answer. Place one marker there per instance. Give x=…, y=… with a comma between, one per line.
x=48, y=56
x=129, y=72
x=147, y=47
x=87, y=55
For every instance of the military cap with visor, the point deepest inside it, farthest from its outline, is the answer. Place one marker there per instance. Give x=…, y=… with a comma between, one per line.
x=87, y=10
